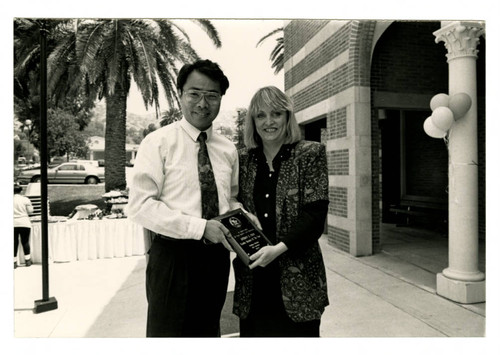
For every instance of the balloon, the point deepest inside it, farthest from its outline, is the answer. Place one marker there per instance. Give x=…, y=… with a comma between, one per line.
x=442, y=118
x=432, y=130
x=439, y=100
x=459, y=104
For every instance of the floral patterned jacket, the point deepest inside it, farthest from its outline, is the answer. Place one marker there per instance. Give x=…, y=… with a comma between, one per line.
x=303, y=178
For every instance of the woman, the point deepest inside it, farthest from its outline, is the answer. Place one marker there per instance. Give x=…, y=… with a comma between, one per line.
x=22, y=224
x=284, y=181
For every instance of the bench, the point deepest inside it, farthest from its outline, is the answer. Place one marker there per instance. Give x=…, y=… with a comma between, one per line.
x=421, y=206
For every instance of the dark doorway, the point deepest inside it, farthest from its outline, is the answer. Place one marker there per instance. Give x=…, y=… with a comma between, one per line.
x=391, y=167
x=316, y=131
x=414, y=169
x=313, y=130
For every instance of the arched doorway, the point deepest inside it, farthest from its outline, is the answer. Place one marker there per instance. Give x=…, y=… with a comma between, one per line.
x=407, y=69
x=411, y=169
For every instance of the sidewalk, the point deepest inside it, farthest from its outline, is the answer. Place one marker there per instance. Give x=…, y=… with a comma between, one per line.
x=367, y=299
x=382, y=295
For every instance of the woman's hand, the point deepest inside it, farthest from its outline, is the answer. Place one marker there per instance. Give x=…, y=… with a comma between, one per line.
x=267, y=254
x=254, y=219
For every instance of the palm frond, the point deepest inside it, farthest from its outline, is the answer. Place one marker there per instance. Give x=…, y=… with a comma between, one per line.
x=210, y=30
x=167, y=37
x=273, y=32
x=277, y=54
x=91, y=37
x=278, y=64
x=167, y=74
x=59, y=61
x=181, y=30
x=278, y=50
x=111, y=52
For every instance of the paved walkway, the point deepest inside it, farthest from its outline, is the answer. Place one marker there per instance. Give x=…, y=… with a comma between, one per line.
x=390, y=294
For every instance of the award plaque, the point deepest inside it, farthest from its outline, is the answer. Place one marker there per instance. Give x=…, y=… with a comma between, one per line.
x=246, y=238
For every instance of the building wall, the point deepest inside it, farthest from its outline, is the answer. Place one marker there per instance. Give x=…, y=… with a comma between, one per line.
x=326, y=74
x=335, y=71
x=406, y=62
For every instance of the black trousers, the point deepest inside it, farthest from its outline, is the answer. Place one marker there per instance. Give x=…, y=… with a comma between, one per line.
x=186, y=286
x=24, y=234
x=268, y=317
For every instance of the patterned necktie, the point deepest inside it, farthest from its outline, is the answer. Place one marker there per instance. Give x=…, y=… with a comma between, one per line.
x=209, y=198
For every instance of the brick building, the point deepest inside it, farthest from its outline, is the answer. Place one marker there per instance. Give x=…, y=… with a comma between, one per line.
x=364, y=88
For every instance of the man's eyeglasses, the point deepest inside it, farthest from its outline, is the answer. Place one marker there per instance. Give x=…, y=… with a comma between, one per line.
x=195, y=96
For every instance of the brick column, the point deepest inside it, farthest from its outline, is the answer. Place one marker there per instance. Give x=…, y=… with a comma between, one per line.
x=461, y=281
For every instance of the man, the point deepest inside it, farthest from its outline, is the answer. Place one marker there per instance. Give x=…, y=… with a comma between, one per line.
x=188, y=267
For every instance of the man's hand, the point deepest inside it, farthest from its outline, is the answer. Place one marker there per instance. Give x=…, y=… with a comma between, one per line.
x=215, y=232
x=267, y=254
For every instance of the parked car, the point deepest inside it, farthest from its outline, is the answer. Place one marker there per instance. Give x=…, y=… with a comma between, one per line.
x=56, y=161
x=68, y=173
x=94, y=163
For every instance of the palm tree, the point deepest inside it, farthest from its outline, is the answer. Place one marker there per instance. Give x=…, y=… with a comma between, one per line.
x=27, y=79
x=170, y=116
x=277, y=54
x=103, y=56
x=27, y=69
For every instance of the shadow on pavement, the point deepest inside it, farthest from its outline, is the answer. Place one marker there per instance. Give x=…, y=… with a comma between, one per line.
x=125, y=315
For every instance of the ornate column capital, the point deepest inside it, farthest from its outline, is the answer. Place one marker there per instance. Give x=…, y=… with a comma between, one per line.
x=460, y=38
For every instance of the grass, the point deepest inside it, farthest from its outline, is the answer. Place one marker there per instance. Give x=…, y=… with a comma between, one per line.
x=64, y=198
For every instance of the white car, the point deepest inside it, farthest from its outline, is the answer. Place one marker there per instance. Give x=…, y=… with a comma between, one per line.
x=66, y=173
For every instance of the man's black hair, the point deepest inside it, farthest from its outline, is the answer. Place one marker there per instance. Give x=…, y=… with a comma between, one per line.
x=205, y=67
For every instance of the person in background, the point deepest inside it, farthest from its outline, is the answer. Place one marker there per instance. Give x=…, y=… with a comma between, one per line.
x=185, y=174
x=22, y=224
x=284, y=182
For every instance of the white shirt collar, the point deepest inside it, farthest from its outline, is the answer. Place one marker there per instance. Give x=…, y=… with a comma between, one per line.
x=194, y=132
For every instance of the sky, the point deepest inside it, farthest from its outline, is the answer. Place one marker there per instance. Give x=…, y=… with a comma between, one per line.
x=247, y=67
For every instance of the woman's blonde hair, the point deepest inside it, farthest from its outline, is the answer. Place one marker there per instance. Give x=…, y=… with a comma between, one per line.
x=275, y=99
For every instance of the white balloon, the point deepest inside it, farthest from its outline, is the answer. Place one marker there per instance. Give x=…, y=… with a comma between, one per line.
x=442, y=117
x=459, y=104
x=439, y=100
x=432, y=130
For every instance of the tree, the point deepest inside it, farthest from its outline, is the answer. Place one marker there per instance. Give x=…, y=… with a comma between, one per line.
x=95, y=128
x=277, y=54
x=240, y=125
x=27, y=76
x=170, y=116
x=64, y=137
x=19, y=148
x=151, y=128
x=108, y=54
x=134, y=135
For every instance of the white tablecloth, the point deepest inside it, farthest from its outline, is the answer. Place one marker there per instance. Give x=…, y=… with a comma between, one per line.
x=87, y=240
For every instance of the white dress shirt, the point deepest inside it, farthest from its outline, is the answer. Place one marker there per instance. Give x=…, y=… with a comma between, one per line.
x=165, y=195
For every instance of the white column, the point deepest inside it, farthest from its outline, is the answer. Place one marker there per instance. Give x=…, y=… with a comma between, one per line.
x=462, y=281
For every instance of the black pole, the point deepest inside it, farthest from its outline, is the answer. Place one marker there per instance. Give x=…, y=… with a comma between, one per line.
x=46, y=303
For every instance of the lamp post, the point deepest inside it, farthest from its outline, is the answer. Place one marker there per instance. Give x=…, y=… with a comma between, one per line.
x=46, y=303
x=27, y=124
